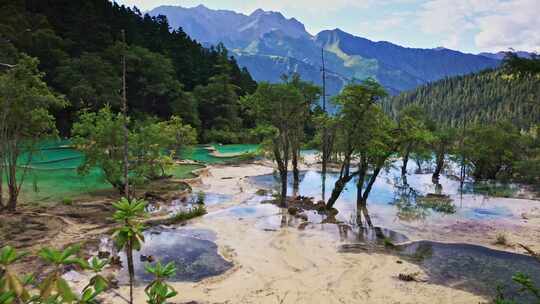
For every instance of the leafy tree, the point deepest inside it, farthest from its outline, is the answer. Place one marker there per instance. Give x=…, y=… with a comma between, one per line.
x=275, y=107
x=310, y=93
x=357, y=128
x=493, y=149
x=325, y=137
x=158, y=291
x=444, y=140
x=25, y=119
x=413, y=123
x=129, y=236
x=218, y=106
x=154, y=145
x=99, y=136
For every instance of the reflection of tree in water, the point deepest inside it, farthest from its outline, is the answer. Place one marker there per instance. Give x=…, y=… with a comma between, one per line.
x=405, y=198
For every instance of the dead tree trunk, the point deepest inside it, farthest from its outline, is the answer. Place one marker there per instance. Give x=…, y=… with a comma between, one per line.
x=124, y=113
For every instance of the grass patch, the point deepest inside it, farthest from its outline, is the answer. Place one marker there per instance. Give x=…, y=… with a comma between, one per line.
x=183, y=171
x=438, y=203
x=182, y=216
x=501, y=239
x=495, y=190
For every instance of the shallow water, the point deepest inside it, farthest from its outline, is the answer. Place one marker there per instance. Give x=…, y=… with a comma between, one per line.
x=391, y=196
x=472, y=268
x=192, y=250
x=188, y=202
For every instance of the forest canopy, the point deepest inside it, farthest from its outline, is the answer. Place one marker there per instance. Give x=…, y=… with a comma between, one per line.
x=78, y=44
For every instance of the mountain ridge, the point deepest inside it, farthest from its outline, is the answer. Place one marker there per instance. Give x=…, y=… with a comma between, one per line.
x=257, y=41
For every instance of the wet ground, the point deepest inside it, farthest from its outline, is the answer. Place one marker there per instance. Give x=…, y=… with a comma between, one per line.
x=193, y=251
x=272, y=247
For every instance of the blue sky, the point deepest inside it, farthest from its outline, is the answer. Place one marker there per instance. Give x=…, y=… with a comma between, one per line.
x=466, y=25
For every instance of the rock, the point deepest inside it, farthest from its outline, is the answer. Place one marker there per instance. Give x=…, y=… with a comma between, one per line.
x=320, y=206
x=104, y=254
x=115, y=261
x=293, y=210
x=303, y=225
x=147, y=258
x=302, y=216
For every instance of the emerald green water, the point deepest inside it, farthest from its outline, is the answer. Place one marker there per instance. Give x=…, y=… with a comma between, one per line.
x=201, y=154
x=238, y=148
x=52, y=173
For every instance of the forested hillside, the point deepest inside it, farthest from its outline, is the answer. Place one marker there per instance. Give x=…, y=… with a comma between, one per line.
x=78, y=44
x=484, y=97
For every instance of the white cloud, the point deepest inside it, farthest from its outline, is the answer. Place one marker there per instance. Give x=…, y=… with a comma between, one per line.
x=515, y=25
x=495, y=25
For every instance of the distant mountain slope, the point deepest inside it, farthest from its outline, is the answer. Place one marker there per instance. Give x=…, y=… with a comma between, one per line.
x=501, y=55
x=269, y=44
x=483, y=97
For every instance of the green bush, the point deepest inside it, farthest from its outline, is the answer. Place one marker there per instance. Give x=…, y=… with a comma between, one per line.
x=182, y=216
x=67, y=201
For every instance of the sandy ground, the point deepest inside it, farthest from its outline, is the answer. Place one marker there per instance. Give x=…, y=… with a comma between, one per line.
x=294, y=266
x=289, y=265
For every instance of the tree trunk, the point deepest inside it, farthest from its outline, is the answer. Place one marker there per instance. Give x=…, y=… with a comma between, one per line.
x=439, y=166
x=12, y=201
x=336, y=192
x=372, y=180
x=1, y=188
x=124, y=114
x=338, y=188
x=12, y=187
x=283, y=176
x=131, y=270
x=296, y=172
x=405, y=162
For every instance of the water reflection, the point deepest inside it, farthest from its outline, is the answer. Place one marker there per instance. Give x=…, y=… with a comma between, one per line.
x=472, y=268
x=192, y=250
x=412, y=197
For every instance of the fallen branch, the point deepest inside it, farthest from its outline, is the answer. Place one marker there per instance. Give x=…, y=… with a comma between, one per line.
x=531, y=252
x=5, y=65
x=410, y=277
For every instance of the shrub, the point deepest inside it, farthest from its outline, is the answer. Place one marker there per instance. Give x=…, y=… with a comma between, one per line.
x=182, y=216
x=67, y=201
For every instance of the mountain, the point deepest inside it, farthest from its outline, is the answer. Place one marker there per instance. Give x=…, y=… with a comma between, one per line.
x=501, y=55
x=483, y=97
x=231, y=28
x=268, y=44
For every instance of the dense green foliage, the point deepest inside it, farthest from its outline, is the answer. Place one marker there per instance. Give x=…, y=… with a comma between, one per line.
x=486, y=97
x=152, y=145
x=78, y=45
x=25, y=118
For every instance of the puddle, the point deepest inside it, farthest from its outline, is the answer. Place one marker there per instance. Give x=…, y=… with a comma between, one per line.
x=192, y=250
x=472, y=268
x=187, y=203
